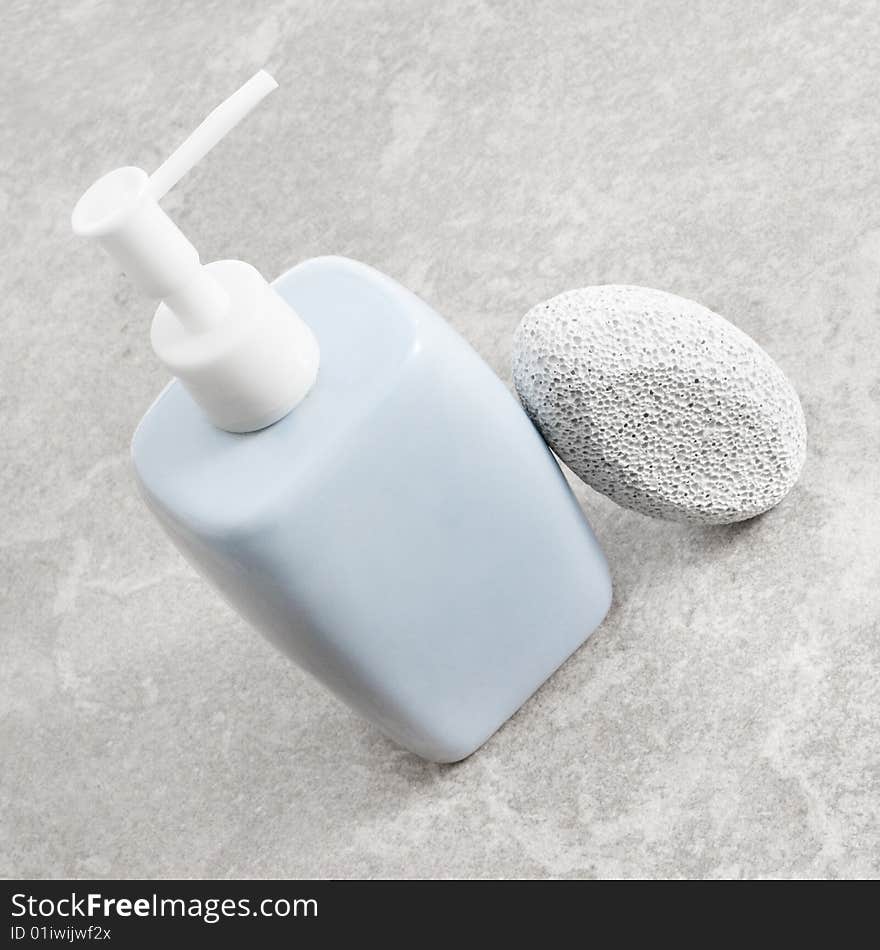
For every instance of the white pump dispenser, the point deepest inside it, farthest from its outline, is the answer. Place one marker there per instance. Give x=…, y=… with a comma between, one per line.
x=241, y=351
x=404, y=535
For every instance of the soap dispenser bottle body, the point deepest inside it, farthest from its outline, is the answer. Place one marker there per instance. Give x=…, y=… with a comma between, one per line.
x=404, y=534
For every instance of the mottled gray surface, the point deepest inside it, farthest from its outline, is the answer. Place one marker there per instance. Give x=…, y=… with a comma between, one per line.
x=724, y=720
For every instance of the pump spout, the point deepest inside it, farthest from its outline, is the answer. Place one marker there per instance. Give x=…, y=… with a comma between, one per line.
x=241, y=351
x=121, y=211
x=215, y=127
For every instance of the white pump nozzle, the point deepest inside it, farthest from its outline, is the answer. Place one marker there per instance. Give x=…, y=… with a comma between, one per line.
x=221, y=121
x=240, y=350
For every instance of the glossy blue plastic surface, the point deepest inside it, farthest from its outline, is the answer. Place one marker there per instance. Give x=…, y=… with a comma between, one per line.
x=404, y=534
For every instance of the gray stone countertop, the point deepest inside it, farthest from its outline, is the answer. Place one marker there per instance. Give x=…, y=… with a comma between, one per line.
x=725, y=719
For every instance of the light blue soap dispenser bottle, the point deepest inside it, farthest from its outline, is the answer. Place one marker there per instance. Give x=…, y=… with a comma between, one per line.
x=350, y=475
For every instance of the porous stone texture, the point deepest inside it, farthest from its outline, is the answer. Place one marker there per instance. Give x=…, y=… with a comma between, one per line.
x=659, y=403
x=722, y=722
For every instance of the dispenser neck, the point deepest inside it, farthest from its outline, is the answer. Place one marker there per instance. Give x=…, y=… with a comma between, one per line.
x=200, y=305
x=121, y=212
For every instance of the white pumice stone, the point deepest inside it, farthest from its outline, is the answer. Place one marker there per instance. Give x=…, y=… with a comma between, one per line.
x=659, y=403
